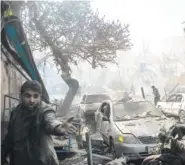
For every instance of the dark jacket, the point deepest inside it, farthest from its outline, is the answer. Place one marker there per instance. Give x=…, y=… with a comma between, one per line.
x=156, y=92
x=29, y=137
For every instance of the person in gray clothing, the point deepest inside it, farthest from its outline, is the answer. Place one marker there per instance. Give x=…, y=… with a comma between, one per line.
x=32, y=122
x=156, y=95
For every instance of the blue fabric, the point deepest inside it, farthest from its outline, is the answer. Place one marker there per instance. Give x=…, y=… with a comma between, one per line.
x=12, y=34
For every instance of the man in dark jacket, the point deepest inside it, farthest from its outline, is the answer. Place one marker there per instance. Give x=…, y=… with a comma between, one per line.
x=32, y=122
x=156, y=95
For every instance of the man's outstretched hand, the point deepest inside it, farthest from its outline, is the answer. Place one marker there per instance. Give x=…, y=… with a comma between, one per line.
x=69, y=127
x=66, y=127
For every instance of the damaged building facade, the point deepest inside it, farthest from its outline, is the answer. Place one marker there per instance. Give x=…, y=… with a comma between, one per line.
x=12, y=77
x=17, y=65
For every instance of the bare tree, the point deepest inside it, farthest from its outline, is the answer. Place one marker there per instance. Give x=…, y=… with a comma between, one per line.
x=72, y=32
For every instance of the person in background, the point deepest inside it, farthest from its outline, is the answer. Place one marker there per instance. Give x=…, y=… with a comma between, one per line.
x=32, y=122
x=156, y=95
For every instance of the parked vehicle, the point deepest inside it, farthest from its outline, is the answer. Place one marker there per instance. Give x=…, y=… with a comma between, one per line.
x=90, y=103
x=173, y=105
x=130, y=128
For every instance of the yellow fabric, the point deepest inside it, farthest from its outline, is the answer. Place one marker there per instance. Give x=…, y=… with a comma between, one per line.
x=8, y=13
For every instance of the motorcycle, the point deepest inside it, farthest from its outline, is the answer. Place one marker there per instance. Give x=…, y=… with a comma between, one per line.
x=167, y=152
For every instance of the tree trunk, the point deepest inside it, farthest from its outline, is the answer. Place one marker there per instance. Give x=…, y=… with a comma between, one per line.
x=73, y=88
x=73, y=84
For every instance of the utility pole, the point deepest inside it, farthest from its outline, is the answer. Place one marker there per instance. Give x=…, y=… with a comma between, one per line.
x=183, y=24
x=120, y=75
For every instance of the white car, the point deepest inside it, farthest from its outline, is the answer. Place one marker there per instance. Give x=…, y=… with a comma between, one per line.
x=130, y=128
x=174, y=105
x=91, y=102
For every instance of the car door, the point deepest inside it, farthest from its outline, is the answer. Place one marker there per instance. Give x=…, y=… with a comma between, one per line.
x=99, y=118
x=82, y=103
x=105, y=127
x=177, y=104
x=168, y=104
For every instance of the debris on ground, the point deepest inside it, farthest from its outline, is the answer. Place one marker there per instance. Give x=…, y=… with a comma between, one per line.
x=100, y=151
x=78, y=159
x=120, y=161
x=60, y=141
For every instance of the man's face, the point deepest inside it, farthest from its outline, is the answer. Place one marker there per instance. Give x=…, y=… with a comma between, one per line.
x=31, y=98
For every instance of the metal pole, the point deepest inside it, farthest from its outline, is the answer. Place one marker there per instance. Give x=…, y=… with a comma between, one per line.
x=89, y=149
x=69, y=143
x=143, y=93
x=4, y=108
x=120, y=75
x=12, y=97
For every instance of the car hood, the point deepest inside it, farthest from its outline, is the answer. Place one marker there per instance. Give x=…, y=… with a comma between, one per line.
x=145, y=127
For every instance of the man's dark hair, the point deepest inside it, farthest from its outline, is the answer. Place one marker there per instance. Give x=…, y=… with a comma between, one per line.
x=32, y=85
x=152, y=86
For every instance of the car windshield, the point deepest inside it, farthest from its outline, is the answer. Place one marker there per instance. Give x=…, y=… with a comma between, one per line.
x=134, y=110
x=96, y=98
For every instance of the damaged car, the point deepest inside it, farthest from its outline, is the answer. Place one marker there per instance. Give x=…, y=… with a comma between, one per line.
x=91, y=102
x=174, y=105
x=130, y=128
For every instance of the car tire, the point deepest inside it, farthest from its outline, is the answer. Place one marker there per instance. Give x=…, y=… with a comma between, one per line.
x=182, y=115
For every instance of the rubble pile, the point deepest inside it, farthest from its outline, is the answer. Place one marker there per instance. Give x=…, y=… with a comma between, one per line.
x=75, y=160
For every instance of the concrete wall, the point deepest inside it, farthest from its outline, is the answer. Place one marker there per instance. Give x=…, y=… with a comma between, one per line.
x=11, y=81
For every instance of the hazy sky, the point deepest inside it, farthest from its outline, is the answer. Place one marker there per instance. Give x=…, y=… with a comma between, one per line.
x=150, y=20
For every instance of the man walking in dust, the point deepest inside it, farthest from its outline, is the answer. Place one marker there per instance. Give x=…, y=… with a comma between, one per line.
x=32, y=122
x=156, y=95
